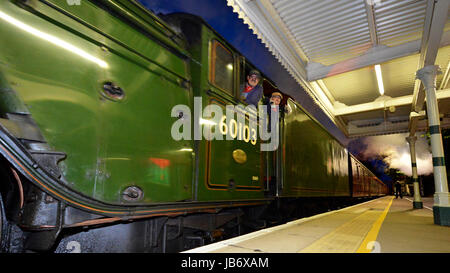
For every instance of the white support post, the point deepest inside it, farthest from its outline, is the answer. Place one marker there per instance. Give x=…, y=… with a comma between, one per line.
x=441, y=207
x=417, y=203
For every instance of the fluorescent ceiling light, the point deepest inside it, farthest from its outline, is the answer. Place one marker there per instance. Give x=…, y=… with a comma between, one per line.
x=52, y=39
x=379, y=79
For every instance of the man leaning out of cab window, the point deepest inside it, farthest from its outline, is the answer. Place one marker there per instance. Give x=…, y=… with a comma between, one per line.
x=251, y=91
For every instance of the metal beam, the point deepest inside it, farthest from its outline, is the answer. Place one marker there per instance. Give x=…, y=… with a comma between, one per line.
x=440, y=13
x=375, y=55
x=413, y=120
x=384, y=103
x=379, y=127
x=432, y=38
x=371, y=20
x=388, y=127
x=446, y=77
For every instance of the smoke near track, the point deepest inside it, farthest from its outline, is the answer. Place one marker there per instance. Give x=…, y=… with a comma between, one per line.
x=394, y=151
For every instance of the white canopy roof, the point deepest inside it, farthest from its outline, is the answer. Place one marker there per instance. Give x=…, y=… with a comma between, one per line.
x=331, y=48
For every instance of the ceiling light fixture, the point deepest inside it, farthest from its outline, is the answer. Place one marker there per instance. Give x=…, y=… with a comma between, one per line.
x=379, y=79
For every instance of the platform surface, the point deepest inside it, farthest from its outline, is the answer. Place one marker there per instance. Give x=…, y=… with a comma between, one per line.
x=384, y=225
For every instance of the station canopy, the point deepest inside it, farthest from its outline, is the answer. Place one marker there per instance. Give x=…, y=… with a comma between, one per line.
x=358, y=58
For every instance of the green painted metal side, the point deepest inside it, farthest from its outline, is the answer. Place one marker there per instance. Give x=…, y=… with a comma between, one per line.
x=315, y=163
x=216, y=166
x=109, y=144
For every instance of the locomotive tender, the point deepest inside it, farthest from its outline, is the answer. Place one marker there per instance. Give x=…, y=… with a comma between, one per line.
x=88, y=163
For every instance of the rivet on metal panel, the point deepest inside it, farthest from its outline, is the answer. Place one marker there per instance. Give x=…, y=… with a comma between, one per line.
x=132, y=194
x=231, y=184
x=112, y=91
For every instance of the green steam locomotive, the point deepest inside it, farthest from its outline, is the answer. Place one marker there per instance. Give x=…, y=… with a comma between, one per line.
x=88, y=158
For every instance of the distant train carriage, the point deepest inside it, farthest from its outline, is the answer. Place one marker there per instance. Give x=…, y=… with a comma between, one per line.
x=88, y=160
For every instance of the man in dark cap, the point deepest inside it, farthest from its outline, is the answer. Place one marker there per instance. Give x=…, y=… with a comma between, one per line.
x=251, y=91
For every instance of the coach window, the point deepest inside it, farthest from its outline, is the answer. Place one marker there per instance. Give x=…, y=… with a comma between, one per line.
x=222, y=66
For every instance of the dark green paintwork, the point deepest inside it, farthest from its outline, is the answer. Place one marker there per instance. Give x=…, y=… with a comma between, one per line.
x=315, y=163
x=219, y=162
x=109, y=145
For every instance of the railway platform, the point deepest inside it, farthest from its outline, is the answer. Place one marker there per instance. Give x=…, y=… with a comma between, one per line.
x=382, y=225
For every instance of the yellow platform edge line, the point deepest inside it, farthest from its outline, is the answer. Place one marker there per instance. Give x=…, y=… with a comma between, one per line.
x=373, y=232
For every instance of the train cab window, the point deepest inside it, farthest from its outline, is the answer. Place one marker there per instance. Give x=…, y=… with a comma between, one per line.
x=245, y=69
x=222, y=64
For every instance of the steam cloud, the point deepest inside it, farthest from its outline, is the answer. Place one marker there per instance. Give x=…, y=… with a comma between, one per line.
x=396, y=150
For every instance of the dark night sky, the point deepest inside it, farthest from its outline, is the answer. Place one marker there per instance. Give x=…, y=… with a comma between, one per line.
x=222, y=18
